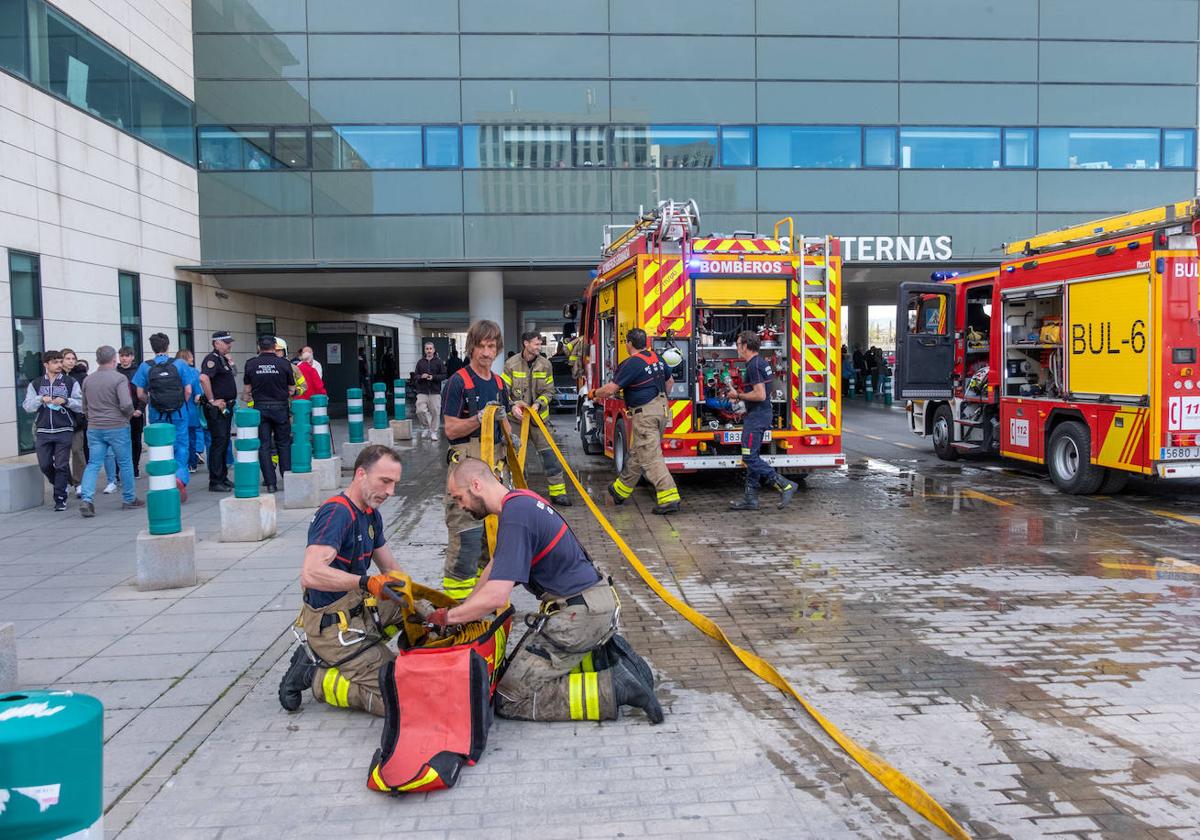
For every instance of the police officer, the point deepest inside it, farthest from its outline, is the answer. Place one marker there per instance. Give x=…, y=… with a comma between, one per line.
x=757, y=377
x=566, y=668
x=219, y=384
x=268, y=380
x=644, y=380
x=468, y=393
x=530, y=380
x=345, y=616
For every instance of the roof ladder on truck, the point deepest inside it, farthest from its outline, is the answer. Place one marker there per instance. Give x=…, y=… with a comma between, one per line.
x=816, y=324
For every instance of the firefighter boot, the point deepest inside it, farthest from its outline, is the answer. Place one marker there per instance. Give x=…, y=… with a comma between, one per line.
x=617, y=649
x=786, y=489
x=561, y=501
x=629, y=690
x=666, y=508
x=749, y=501
x=296, y=680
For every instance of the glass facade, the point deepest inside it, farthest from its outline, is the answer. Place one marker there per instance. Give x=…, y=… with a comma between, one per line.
x=183, y=315
x=53, y=52
x=129, y=288
x=25, y=297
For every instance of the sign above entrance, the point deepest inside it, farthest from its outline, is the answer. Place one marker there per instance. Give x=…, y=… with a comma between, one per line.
x=733, y=265
x=897, y=248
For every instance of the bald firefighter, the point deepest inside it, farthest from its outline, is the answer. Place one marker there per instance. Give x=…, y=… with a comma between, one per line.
x=570, y=666
x=530, y=380
x=644, y=381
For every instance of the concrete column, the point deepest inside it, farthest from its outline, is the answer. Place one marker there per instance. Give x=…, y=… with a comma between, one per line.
x=858, y=326
x=485, y=299
x=512, y=327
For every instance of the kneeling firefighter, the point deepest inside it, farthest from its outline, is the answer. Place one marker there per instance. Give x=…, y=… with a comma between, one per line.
x=571, y=665
x=346, y=616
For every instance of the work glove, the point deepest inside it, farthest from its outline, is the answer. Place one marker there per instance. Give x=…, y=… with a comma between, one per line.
x=439, y=618
x=375, y=583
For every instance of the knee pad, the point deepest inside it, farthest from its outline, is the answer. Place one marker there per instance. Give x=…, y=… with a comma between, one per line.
x=549, y=462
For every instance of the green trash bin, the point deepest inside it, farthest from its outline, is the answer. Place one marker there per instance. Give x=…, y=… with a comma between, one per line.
x=51, y=770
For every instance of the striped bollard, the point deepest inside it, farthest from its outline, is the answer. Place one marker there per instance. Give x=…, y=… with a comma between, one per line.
x=162, y=501
x=887, y=388
x=322, y=440
x=354, y=415
x=246, y=470
x=302, y=450
x=379, y=419
x=400, y=400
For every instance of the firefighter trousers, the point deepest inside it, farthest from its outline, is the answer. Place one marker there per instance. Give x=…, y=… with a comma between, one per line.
x=350, y=655
x=466, y=543
x=552, y=677
x=758, y=471
x=556, y=481
x=645, y=454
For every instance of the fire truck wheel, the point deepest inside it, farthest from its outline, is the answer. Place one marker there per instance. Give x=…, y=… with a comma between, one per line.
x=620, y=451
x=1114, y=482
x=943, y=433
x=1069, y=459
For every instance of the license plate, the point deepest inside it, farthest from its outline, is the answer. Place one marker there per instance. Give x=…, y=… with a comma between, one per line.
x=736, y=437
x=1179, y=453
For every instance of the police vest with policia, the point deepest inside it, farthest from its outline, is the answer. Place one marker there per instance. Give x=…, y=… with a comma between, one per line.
x=571, y=665
x=468, y=392
x=644, y=381
x=530, y=380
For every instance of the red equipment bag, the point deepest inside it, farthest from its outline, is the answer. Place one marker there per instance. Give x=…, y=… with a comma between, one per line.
x=437, y=705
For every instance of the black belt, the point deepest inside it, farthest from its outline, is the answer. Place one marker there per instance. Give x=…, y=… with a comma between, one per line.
x=332, y=618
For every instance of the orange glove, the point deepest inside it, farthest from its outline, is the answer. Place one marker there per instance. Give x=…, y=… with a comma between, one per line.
x=375, y=583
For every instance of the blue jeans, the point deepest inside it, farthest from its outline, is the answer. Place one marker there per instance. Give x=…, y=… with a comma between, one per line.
x=179, y=420
x=100, y=443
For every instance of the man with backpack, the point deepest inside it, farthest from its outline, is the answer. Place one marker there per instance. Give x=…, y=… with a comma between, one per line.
x=161, y=384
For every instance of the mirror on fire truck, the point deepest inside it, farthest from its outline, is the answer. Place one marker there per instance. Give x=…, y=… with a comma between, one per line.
x=924, y=341
x=570, y=311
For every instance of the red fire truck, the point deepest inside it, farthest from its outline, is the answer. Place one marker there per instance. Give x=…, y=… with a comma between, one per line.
x=693, y=295
x=1078, y=352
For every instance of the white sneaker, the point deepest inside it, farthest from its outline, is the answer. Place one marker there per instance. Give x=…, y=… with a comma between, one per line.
x=433, y=434
x=79, y=491
x=110, y=488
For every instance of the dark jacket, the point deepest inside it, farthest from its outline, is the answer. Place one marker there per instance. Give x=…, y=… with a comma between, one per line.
x=434, y=367
x=54, y=419
x=79, y=373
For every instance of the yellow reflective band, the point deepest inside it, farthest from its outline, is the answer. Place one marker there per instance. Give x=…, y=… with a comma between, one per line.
x=557, y=489
x=379, y=783
x=343, y=691
x=622, y=491
x=665, y=496
x=591, y=695
x=328, y=684
x=541, y=375
x=575, y=685
x=458, y=589
x=586, y=664
x=431, y=775
x=390, y=630
x=507, y=379
x=745, y=450
x=518, y=374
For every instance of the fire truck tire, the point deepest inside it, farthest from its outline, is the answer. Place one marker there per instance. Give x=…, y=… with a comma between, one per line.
x=1114, y=482
x=620, y=450
x=1069, y=459
x=943, y=433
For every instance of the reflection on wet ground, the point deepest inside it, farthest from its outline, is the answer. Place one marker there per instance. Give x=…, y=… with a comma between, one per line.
x=1032, y=659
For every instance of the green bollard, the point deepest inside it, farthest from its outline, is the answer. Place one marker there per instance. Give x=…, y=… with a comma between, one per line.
x=870, y=394
x=302, y=450
x=400, y=400
x=354, y=415
x=887, y=388
x=162, y=500
x=322, y=440
x=379, y=419
x=246, y=471
x=51, y=748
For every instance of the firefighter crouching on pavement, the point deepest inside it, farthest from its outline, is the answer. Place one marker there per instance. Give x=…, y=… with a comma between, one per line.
x=758, y=375
x=346, y=619
x=645, y=382
x=530, y=380
x=562, y=669
x=468, y=392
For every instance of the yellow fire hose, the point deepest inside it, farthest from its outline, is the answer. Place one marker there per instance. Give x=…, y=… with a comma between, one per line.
x=904, y=788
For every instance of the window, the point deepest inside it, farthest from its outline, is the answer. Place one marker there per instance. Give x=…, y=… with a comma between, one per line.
x=162, y=117
x=263, y=326
x=85, y=72
x=25, y=298
x=805, y=147
x=291, y=148
x=949, y=148
x=1099, y=148
x=367, y=147
x=664, y=147
x=14, y=37
x=183, y=315
x=591, y=146
x=1019, y=148
x=130, y=290
x=441, y=147
x=517, y=147
x=737, y=145
x=879, y=146
x=1179, y=148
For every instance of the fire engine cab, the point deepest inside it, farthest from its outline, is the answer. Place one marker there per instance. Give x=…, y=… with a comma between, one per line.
x=693, y=295
x=1078, y=352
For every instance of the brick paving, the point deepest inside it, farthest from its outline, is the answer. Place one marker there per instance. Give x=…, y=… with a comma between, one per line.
x=1004, y=651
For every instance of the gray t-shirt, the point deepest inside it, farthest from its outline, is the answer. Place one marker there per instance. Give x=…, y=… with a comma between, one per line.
x=107, y=402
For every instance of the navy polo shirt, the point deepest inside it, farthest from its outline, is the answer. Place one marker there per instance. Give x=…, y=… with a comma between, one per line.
x=641, y=378
x=758, y=370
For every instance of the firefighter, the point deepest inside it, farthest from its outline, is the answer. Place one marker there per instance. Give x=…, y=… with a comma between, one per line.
x=570, y=666
x=346, y=618
x=468, y=393
x=530, y=380
x=644, y=380
x=757, y=376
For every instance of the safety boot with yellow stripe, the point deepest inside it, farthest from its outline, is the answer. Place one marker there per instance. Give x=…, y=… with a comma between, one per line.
x=629, y=690
x=297, y=680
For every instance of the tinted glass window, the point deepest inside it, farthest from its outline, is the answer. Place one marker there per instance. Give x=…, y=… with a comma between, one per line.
x=1098, y=148
x=737, y=145
x=14, y=45
x=291, y=148
x=818, y=147
x=1019, y=148
x=25, y=299
x=161, y=117
x=517, y=146
x=441, y=147
x=85, y=73
x=240, y=148
x=664, y=147
x=367, y=147
x=879, y=146
x=949, y=148
x=591, y=146
x=1179, y=148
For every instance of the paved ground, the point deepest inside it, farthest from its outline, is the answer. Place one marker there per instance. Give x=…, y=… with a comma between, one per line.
x=1031, y=659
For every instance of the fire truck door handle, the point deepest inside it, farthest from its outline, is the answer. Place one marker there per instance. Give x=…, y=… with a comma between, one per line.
x=927, y=342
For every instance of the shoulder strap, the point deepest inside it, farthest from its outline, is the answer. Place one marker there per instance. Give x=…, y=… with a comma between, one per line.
x=340, y=499
x=499, y=381
x=468, y=382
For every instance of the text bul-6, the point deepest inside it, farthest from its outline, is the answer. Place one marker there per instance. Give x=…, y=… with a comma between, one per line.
x=1099, y=338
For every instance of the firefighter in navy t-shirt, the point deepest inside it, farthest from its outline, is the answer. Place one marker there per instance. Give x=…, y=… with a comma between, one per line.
x=555, y=673
x=644, y=381
x=757, y=378
x=344, y=615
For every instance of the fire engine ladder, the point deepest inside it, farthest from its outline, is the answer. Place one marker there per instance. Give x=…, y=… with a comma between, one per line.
x=816, y=326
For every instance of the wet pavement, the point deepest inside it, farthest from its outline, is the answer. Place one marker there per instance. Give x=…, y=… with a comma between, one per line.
x=1031, y=659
